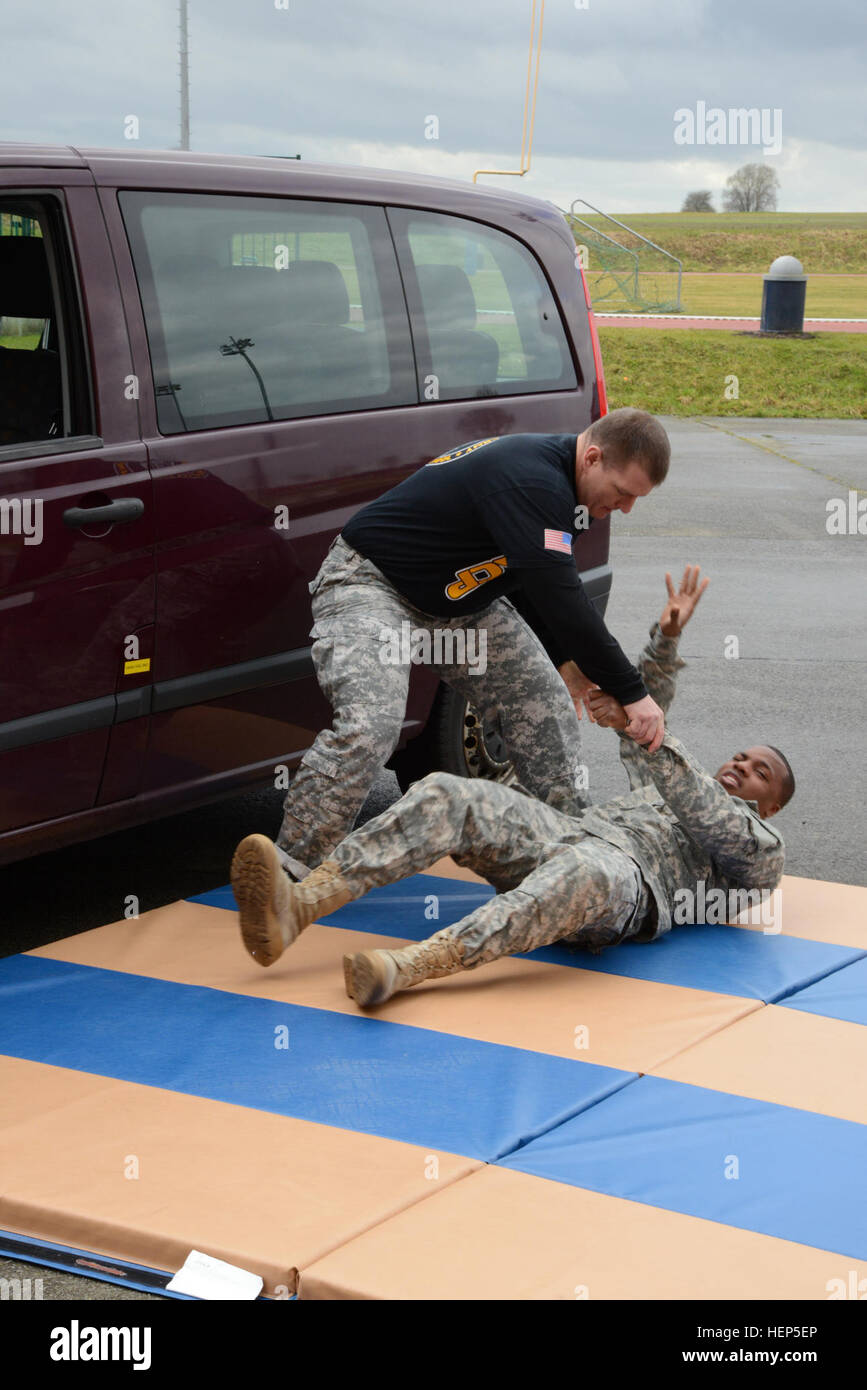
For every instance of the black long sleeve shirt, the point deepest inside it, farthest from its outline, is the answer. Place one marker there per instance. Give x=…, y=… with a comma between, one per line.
x=496, y=517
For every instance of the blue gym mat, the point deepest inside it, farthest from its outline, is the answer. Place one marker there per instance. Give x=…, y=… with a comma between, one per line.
x=726, y=960
x=423, y=1087
x=672, y=1145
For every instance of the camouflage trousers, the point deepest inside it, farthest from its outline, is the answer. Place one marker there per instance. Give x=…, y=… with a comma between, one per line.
x=355, y=609
x=554, y=881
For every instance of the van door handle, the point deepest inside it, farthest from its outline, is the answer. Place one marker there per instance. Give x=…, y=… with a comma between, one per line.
x=126, y=509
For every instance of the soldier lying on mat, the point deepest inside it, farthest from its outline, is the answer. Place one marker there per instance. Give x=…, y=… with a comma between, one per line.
x=610, y=874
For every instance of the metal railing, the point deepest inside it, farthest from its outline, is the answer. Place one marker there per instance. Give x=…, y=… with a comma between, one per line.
x=609, y=269
x=637, y=269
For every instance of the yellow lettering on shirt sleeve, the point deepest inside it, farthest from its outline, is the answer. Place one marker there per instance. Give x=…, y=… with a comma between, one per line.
x=474, y=576
x=460, y=453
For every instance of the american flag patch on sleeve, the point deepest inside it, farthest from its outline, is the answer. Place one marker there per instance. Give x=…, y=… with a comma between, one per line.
x=558, y=540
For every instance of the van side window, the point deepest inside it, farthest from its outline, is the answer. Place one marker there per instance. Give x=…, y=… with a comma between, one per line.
x=491, y=323
x=32, y=331
x=267, y=308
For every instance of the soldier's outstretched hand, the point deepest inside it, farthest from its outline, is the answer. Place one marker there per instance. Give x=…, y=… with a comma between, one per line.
x=604, y=710
x=681, y=605
x=576, y=683
x=644, y=721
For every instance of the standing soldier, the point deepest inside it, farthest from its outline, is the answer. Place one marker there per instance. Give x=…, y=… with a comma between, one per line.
x=611, y=873
x=439, y=553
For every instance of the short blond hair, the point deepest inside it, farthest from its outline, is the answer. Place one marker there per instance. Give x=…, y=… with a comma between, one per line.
x=628, y=435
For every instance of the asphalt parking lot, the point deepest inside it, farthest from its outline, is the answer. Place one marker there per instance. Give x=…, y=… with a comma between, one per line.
x=748, y=501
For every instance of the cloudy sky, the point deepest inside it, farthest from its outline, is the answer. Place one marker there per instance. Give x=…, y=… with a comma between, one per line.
x=357, y=81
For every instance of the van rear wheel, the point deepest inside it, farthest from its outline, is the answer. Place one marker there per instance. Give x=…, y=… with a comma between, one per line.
x=456, y=740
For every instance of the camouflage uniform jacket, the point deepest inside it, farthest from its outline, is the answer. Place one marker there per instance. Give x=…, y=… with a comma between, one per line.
x=678, y=824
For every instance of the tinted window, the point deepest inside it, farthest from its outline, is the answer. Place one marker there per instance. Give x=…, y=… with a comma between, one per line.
x=267, y=308
x=491, y=323
x=39, y=400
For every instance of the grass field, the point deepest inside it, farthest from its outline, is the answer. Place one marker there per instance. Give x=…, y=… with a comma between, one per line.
x=705, y=241
x=20, y=340
x=684, y=373
x=828, y=296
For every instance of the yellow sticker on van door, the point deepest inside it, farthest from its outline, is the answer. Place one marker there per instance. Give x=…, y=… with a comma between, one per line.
x=132, y=668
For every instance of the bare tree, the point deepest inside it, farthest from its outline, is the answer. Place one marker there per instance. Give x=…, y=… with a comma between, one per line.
x=753, y=188
x=698, y=202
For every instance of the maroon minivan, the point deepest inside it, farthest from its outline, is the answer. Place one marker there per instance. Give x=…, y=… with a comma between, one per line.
x=207, y=364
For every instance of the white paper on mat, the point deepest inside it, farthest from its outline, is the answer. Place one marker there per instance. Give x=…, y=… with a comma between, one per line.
x=202, y=1276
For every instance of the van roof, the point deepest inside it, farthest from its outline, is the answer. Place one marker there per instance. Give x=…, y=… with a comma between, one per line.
x=188, y=170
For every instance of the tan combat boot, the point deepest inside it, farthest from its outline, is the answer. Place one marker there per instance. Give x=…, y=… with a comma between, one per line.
x=374, y=976
x=274, y=911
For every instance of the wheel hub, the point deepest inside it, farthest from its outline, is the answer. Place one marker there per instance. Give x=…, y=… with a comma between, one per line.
x=485, y=750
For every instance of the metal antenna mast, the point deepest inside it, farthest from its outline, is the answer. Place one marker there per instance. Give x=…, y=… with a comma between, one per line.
x=529, y=109
x=185, y=79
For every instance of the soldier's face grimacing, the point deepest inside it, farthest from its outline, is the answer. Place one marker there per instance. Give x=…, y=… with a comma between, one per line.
x=616, y=488
x=756, y=775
